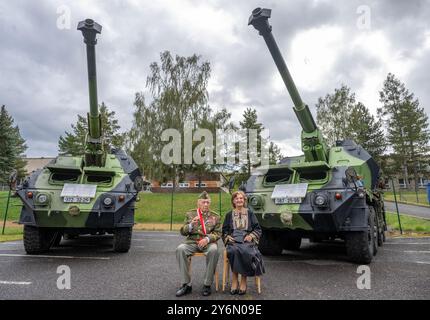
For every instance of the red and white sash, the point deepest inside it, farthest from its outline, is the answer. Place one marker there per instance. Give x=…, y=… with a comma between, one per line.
x=199, y=212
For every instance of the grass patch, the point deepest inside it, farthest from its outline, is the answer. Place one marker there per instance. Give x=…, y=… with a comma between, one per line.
x=156, y=207
x=408, y=197
x=409, y=223
x=11, y=233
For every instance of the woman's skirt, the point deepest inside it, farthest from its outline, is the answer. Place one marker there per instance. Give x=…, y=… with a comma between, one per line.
x=245, y=258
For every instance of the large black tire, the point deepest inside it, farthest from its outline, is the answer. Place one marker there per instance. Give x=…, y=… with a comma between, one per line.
x=381, y=232
x=122, y=239
x=291, y=243
x=375, y=230
x=270, y=244
x=360, y=244
x=58, y=236
x=37, y=240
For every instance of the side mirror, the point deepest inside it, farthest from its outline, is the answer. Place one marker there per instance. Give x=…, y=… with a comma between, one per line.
x=138, y=183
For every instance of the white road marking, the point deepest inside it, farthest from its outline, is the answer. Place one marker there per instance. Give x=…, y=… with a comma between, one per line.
x=60, y=257
x=416, y=251
x=422, y=262
x=401, y=243
x=15, y=282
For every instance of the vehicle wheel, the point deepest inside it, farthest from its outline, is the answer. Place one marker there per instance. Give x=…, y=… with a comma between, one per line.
x=269, y=244
x=360, y=244
x=375, y=229
x=380, y=235
x=292, y=243
x=122, y=239
x=57, y=239
x=37, y=240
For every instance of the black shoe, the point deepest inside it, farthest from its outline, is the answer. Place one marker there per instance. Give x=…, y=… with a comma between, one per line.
x=185, y=289
x=234, y=291
x=242, y=292
x=206, y=291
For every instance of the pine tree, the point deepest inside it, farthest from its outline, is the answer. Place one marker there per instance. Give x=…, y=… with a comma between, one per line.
x=275, y=153
x=12, y=147
x=366, y=131
x=407, y=125
x=73, y=143
x=250, y=121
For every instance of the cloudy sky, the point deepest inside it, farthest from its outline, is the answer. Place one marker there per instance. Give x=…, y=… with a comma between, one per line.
x=43, y=80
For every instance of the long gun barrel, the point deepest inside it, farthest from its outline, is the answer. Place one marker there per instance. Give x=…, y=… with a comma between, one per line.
x=94, y=152
x=312, y=144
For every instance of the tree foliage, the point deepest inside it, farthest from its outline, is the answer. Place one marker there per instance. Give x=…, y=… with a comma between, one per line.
x=341, y=117
x=73, y=142
x=406, y=123
x=178, y=88
x=12, y=147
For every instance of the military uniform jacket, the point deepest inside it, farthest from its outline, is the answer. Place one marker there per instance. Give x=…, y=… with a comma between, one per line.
x=212, y=223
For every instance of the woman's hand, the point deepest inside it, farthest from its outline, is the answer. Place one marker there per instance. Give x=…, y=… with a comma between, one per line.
x=229, y=239
x=248, y=238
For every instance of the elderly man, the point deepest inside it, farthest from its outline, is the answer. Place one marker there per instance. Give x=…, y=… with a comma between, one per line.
x=203, y=229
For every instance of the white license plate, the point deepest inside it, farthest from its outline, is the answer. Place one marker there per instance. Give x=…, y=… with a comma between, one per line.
x=288, y=200
x=77, y=199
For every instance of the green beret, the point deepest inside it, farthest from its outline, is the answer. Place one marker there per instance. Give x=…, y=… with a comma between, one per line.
x=204, y=195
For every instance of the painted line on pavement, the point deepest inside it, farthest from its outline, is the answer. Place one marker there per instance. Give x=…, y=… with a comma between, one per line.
x=422, y=262
x=402, y=243
x=60, y=257
x=15, y=282
x=416, y=251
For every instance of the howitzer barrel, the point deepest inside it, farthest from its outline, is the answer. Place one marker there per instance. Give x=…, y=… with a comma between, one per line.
x=259, y=20
x=89, y=30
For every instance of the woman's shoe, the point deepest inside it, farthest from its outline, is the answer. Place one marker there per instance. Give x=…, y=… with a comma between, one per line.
x=234, y=291
x=242, y=292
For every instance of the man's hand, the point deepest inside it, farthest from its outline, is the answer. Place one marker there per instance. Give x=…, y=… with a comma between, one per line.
x=195, y=221
x=248, y=238
x=202, y=243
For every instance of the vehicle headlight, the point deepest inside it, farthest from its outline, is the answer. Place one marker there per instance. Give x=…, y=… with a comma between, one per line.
x=42, y=199
x=320, y=200
x=256, y=201
x=107, y=202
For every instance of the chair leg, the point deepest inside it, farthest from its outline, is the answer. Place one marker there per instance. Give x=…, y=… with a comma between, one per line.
x=225, y=271
x=258, y=283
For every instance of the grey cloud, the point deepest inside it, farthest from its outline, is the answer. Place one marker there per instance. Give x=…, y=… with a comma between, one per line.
x=43, y=74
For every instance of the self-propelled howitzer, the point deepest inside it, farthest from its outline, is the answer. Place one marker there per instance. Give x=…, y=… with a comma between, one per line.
x=327, y=193
x=91, y=193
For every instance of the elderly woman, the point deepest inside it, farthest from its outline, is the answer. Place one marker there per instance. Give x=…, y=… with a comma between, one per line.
x=241, y=233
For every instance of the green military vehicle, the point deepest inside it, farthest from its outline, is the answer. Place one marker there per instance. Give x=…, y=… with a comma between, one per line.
x=327, y=193
x=92, y=193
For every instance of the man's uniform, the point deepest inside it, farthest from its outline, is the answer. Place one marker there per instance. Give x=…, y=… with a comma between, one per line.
x=194, y=234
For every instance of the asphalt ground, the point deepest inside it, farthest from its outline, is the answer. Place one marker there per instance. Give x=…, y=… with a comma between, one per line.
x=417, y=211
x=400, y=270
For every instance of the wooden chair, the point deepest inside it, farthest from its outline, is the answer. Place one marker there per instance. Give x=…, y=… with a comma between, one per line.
x=201, y=254
x=226, y=274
